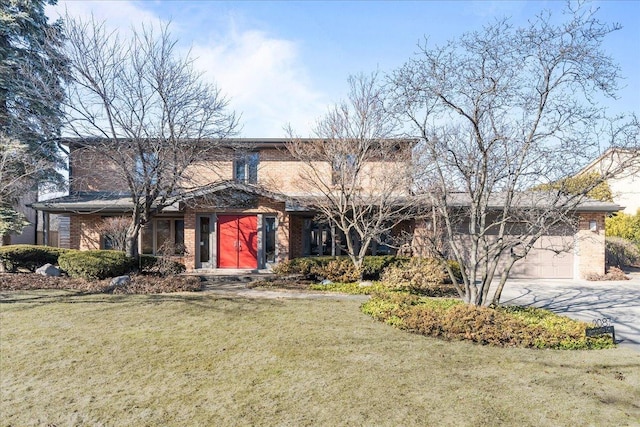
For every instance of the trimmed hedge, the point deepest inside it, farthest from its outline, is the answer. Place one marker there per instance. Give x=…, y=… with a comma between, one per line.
x=30, y=257
x=340, y=269
x=96, y=264
x=318, y=267
x=502, y=326
x=417, y=275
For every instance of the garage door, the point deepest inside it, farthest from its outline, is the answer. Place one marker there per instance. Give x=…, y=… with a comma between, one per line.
x=544, y=263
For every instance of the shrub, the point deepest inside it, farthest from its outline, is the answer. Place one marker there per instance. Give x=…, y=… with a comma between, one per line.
x=418, y=274
x=337, y=270
x=374, y=266
x=115, y=229
x=302, y=266
x=313, y=267
x=620, y=251
x=30, y=257
x=160, y=266
x=96, y=264
x=614, y=273
x=450, y=319
x=624, y=225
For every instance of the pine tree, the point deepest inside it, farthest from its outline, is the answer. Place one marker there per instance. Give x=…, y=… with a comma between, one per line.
x=33, y=69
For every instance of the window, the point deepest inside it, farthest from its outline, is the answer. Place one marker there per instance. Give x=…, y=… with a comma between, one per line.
x=147, y=168
x=270, y=239
x=162, y=234
x=317, y=238
x=245, y=168
x=342, y=164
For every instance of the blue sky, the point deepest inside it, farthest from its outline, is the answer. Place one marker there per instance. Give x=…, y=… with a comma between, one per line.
x=286, y=62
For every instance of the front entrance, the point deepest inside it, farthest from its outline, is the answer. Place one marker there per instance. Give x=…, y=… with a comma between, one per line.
x=238, y=241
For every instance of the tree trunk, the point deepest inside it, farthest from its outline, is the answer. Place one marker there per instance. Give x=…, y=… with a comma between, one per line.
x=131, y=242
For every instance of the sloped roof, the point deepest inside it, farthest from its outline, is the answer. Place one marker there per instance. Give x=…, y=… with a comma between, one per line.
x=89, y=202
x=119, y=202
x=532, y=199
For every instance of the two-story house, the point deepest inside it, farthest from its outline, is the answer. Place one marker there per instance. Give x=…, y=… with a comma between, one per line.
x=246, y=214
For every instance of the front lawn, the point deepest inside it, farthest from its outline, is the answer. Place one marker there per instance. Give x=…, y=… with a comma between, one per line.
x=200, y=359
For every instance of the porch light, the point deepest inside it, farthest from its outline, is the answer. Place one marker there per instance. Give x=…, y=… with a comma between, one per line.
x=593, y=225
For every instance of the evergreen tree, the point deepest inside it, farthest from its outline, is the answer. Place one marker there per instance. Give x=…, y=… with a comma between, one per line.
x=33, y=69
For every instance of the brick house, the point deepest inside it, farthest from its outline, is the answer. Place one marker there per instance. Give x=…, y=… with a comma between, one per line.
x=247, y=215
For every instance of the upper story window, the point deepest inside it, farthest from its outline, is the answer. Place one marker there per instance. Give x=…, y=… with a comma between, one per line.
x=245, y=168
x=342, y=167
x=147, y=168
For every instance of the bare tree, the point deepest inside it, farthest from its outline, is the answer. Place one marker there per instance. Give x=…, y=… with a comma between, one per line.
x=499, y=112
x=355, y=172
x=139, y=106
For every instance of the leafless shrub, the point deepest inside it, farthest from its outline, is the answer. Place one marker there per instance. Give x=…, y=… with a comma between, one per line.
x=115, y=230
x=614, y=273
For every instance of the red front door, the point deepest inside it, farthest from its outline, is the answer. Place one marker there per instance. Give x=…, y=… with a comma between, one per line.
x=237, y=241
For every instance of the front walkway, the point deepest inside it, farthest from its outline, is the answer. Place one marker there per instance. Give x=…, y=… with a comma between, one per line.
x=236, y=284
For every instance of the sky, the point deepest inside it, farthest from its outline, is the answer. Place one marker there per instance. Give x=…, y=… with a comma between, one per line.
x=286, y=62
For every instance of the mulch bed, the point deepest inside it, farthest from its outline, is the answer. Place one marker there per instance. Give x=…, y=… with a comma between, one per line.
x=140, y=284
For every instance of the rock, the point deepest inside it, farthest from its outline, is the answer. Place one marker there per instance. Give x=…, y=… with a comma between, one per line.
x=365, y=284
x=120, y=281
x=326, y=282
x=48, y=270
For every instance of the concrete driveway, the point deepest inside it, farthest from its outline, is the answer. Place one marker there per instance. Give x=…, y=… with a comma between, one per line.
x=618, y=301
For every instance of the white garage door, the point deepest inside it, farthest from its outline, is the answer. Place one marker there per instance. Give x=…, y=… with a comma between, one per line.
x=545, y=264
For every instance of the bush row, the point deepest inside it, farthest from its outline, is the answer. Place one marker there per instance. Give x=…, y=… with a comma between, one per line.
x=90, y=265
x=400, y=272
x=450, y=319
x=322, y=267
x=30, y=257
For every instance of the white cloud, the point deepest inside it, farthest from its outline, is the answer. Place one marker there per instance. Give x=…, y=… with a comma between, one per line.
x=265, y=81
x=118, y=14
x=263, y=76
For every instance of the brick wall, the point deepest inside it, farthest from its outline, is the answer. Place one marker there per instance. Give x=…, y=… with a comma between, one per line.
x=83, y=234
x=277, y=170
x=295, y=240
x=92, y=172
x=190, y=238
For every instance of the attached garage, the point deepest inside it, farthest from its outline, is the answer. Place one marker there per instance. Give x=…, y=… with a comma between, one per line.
x=546, y=261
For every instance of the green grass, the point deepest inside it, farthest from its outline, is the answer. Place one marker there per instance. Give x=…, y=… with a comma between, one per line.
x=349, y=288
x=200, y=359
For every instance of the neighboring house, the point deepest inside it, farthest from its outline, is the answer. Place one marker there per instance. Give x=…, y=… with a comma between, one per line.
x=247, y=215
x=625, y=186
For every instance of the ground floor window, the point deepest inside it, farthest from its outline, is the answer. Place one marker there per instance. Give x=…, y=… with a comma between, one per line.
x=270, y=239
x=163, y=235
x=317, y=238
